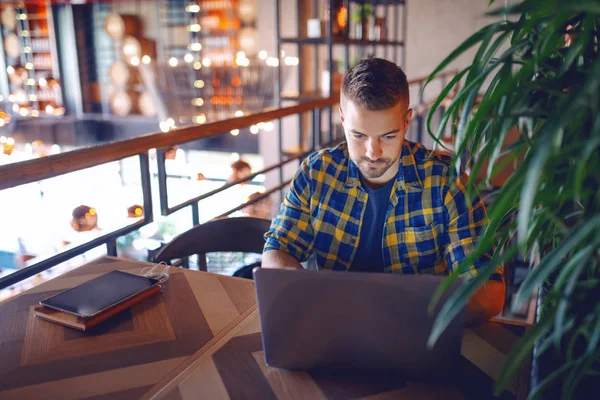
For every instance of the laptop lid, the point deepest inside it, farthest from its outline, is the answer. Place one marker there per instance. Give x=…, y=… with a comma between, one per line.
x=353, y=321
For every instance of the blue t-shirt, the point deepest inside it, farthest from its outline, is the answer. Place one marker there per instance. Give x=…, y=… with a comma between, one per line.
x=369, y=254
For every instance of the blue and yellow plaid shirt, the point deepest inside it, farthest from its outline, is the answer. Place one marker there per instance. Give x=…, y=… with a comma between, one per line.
x=430, y=226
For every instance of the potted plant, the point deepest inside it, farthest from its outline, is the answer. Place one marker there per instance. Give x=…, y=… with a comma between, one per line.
x=360, y=20
x=537, y=69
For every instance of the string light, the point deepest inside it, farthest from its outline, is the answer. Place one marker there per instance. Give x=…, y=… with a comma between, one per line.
x=272, y=62
x=135, y=61
x=10, y=70
x=164, y=126
x=235, y=132
x=200, y=119
x=199, y=83
x=262, y=55
x=239, y=113
x=195, y=46
x=254, y=129
x=206, y=62
x=29, y=66
x=146, y=59
x=269, y=126
x=188, y=58
x=194, y=28
x=197, y=65
x=291, y=61
x=173, y=62
x=193, y=8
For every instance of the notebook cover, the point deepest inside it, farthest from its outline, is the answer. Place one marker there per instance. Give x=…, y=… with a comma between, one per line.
x=81, y=323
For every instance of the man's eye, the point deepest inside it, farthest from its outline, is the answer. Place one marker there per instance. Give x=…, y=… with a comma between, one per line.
x=389, y=137
x=358, y=136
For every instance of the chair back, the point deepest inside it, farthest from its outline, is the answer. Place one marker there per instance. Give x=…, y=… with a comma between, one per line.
x=242, y=234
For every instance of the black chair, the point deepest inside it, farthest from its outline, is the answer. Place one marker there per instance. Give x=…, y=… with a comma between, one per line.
x=243, y=234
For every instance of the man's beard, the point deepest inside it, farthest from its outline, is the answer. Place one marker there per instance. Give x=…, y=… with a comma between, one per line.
x=383, y=164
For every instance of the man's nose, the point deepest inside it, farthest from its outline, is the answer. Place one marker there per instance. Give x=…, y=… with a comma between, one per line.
x=373, y=149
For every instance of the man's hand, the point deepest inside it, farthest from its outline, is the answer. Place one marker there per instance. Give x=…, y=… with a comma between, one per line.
x=279, y=259
x=487, y=302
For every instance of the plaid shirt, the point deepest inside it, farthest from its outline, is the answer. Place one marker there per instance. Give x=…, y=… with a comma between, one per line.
x=430, y=227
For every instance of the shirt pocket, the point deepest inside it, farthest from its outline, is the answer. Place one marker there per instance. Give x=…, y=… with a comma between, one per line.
x=421, y=247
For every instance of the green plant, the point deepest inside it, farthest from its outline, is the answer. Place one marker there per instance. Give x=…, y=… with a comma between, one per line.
x=537, y=68
x=361, y=12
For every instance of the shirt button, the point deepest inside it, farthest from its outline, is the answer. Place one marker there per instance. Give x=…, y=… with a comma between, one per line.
x=353, y=241
x=361, y=204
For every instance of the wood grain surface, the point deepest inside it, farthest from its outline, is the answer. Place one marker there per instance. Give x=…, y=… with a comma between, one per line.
x=200, y=339
x=234, y=368
x=126, y=355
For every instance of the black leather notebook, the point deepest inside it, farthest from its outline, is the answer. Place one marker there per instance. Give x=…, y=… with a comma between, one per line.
x=99, y=294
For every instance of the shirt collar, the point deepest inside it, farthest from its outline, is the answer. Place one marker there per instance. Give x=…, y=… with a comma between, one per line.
x=408, y=174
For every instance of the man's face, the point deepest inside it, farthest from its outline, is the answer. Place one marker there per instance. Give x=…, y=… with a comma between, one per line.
x=375, y=139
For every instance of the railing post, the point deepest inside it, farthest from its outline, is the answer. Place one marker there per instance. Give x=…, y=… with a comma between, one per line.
x=162, y=181
x=111, y=247
x=146, y=187
x=195, y=214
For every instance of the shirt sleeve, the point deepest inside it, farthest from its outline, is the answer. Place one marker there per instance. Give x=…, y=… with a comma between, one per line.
x=466, y=220
x=291, y=231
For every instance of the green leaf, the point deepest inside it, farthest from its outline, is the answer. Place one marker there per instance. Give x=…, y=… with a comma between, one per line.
x=545, y=383
x=535, y=170
x=463, y=47
x=439, y=101
x=583, y=163
x=519, y=353
x=575, y=265
x=549, y=263
x=459, y=298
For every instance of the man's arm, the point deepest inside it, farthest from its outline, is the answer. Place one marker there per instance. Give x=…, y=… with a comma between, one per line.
x=290, y=238
x=466, y=221
x=279, y=259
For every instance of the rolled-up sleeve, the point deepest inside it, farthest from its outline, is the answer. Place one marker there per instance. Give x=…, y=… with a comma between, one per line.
x=291, y=231
x=466, y=220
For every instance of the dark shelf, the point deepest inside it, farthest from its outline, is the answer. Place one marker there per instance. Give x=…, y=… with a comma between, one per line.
x=322, y=40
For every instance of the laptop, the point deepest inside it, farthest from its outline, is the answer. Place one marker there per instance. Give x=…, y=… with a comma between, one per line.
x=352, y=321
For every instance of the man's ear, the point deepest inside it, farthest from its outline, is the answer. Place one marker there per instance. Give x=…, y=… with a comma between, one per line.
x=408, y=118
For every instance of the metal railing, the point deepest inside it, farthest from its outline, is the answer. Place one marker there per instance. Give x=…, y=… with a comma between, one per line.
x=35, y=170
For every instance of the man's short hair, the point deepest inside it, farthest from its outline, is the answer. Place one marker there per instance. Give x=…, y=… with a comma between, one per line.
x=375, y=84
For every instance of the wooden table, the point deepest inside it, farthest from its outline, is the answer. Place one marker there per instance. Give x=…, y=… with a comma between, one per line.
x=198, y=339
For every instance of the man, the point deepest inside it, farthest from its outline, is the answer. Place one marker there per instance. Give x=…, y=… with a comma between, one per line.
x=378, y=203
